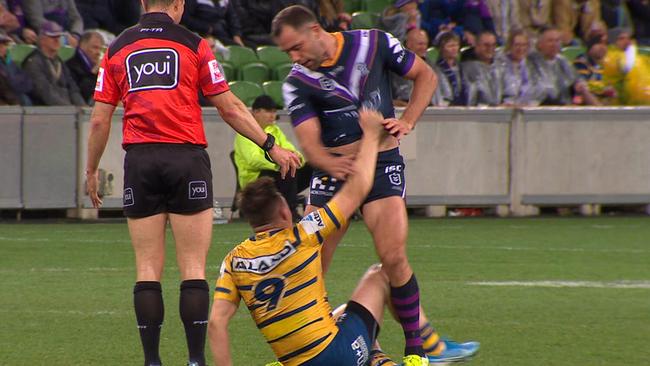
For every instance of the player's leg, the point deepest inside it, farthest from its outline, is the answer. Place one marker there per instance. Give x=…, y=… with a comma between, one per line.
x=148, y=239
x=192, y=235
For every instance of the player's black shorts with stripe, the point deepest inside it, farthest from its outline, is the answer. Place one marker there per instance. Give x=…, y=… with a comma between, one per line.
x=172, y=178
x=389, y=180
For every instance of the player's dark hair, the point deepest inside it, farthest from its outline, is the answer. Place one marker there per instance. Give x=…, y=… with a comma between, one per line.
x=164, y=3
x=258, y=201
x=294, y=16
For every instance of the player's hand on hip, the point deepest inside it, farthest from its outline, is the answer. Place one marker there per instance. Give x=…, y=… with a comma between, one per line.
x=396, y=127
x=339, y=167
x=288, y=161
x=92, y=184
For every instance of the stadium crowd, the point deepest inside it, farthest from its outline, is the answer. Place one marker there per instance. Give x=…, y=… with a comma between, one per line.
x=485, y=52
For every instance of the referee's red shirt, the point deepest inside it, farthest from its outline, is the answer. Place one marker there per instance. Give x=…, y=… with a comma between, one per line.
x=157, y=69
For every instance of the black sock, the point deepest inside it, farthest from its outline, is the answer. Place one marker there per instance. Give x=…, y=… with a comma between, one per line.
x=194, y=306
x=149, y=312
x=406, y=301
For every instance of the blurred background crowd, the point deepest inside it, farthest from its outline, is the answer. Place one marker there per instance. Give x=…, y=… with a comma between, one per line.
x=485, y=52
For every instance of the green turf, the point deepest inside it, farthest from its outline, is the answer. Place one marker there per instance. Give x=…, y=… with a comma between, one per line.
x=66, y=291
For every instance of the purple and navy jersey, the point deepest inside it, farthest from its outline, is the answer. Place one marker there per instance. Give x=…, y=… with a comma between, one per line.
x=357, y=77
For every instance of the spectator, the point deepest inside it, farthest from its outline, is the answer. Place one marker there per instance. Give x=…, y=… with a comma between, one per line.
x=62, y=12
x=450, y=77
x=628, y=71
x=590, y=68
x=520, y=87
x=477, y=17
x=102, y=14
x=215, y=18
x=535, y=15
x=333, y=16
x=16, y=83
x=8, y=21
x=439, y=16
x=22, y=33
x=417, y=41
x=555, y=73
x=399, y=18
x=85, y=63
x=640, y=10
x=252, y=163
x=256, y=16
x=505, y=15
x=616, y=14
x=53, y=84
x=482, y=77
x=570, y=16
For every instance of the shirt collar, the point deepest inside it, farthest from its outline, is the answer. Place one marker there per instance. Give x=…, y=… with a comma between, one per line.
x=148, y=18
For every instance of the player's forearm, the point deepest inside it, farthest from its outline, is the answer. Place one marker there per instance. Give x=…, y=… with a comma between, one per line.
x=100, y=128
x=358, y=185
x=220, y=345
x=424, y=86
x=235, y=114
x=316, y=154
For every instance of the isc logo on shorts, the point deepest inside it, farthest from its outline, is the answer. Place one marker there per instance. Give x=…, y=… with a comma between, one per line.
x=153, y=68
x=127, y=199
x=198, y=190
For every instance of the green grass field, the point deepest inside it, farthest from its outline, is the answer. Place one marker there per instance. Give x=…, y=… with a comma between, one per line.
x=67, y=291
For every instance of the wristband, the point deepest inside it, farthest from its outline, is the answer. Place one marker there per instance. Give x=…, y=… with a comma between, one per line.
x=269, y=143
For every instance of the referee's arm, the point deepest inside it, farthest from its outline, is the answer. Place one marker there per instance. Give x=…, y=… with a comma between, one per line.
x=237, y=115
x=100, y=128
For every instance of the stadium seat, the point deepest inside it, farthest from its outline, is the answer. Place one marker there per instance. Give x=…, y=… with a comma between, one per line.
x=432, y=54
x=351, y=6
x=644, y=51
x=376, y=6
x=229, y=71
x=19, y=52
x=364, y=20
x=240, y=56
x=272, y=56
x=281, y=71
x=66, y=53
x=571, y=52
x=274, y=90
x=256, y=72
x=246, y=91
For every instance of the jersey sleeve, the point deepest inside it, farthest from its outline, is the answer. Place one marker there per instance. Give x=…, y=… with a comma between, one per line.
x=226, y=288
x=318, y=225
x=211, y=78
x=106, y=89
x=396, y=57
x=297, y=101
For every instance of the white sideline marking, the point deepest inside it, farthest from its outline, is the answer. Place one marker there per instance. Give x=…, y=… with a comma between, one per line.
x=505, y=248
x=68, y=312
x=573, y=284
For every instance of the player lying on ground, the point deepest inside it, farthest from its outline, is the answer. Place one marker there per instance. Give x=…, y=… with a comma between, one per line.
x=278, y=274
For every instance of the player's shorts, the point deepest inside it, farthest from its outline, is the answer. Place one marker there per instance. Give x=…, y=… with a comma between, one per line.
x=173, y=178
x=358, y=330
x=389, y=181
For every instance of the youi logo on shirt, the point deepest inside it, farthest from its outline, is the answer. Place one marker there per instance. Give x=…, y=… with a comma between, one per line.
x=154, y=68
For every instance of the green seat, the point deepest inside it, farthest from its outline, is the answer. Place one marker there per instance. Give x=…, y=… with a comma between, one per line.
x=364, y=20
x=272, y=56
x=18, y=53
x=229, y=71
x=644, y=51
x=256, y=72
x=66, y=53
x=571, y=52
x=240, y=56
x=432, y=54
x=281, y=71
x=246, y=91
x=376, y=6
x=274, y=90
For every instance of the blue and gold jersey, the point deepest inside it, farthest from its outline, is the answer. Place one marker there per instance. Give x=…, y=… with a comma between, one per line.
x=357, y=76
x=279, y=276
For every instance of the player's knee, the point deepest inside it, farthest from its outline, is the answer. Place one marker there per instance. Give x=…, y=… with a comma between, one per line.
x=394, y=261
x=377, y=272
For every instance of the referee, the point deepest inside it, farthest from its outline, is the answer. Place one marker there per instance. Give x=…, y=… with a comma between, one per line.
x=157, y=69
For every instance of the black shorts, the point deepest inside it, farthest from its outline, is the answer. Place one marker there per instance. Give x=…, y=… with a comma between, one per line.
x=172, y=178
x=389, y=181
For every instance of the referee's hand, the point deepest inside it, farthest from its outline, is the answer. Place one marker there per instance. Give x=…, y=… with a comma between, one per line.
x=92, y=184
x=287, y=160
